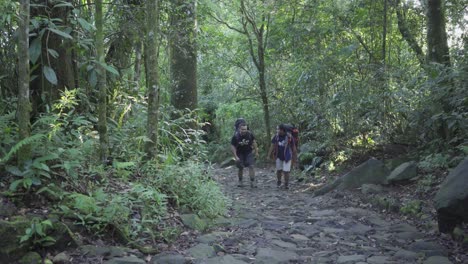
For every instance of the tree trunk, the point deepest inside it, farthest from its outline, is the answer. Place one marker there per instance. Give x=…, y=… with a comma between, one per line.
x=101, y=85
x=43, y=92
x=263, y=87
x=152, y=76
x=24, y=105
x=437, y=46
x=183, y=54
x=406, y=33
x=137, y=69
x=258, y=58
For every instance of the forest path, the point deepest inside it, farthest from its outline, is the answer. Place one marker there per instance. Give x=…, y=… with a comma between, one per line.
x=270, y=225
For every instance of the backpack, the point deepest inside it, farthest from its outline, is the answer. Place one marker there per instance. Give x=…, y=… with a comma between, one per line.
x=294, y=132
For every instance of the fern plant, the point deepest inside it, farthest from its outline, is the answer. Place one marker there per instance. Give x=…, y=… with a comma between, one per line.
x=27, y=141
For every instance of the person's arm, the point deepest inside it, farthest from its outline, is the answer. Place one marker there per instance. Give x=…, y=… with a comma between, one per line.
x=234, y=152
x=270, y=151
x=234, y=148
x=255, y=147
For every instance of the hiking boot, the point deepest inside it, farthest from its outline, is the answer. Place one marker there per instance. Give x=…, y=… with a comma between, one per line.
x=286, y=187
x=240, y=184
x=278, y=184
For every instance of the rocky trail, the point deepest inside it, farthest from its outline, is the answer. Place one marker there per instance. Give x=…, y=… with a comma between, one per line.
x=270, y=225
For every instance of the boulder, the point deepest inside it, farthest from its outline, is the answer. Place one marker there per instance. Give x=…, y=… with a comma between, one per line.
x=10, y=231
x=372, y=171
x=451, y=201
x=31, y=258
x=169, y=258
x=194, y=222
x=404, y=172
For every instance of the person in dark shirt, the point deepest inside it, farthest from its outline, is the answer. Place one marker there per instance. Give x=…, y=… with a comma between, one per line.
x=242, y=146
x=281, y=150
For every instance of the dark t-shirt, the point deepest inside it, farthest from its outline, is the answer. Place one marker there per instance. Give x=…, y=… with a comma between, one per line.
x=283, y=147
x=243, y=143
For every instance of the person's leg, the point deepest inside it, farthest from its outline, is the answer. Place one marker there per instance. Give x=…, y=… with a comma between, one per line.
x=286, y=170
x=240, y=177
x=240, y=173
x=250, y=163
x=279, y=171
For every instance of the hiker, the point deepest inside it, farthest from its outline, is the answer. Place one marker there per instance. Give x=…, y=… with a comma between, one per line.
x=242, y=146
x=281, y=150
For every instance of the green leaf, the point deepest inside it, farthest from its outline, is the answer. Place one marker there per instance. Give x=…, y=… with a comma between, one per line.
x=110, y=69
x=60, y=33
x=64, y=4
x=24, y=238
x=47, y=223
x=92, y=79
x=53, y=53
x=14, y=185
x=50, y=75
x=14, y=170
x=35, y=50
x=85, y=24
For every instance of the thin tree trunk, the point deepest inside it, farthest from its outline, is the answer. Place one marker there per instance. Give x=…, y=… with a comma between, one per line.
x=258, y=59
x=102, y=107
x=183, y=54
x=152, y=76
x=407, y=35
x=137, y=69
x=24, y=105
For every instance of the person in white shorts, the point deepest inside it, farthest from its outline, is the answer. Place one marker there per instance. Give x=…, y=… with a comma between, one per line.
x=281, y=150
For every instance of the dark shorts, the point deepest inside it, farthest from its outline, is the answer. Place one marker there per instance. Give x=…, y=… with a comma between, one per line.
x=246, y=160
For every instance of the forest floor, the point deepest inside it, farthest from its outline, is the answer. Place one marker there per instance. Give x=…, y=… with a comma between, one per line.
x=271, y=225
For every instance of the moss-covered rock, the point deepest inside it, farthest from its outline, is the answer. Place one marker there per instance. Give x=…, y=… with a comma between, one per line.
x=372, y=171
x=404, y=172
x=451, y=200
x=31, y=258
x=10, y=231
x=194, y=222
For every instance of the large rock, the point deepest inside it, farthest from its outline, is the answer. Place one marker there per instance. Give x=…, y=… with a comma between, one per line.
x=201, y=251
x=274, y=256
x=194, y=222
x=169, y=258
x=451, y=201
x=372, y=171
x=404, y=172
x=10, y=231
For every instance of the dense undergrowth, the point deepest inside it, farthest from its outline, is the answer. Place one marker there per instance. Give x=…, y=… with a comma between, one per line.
x=129, y=196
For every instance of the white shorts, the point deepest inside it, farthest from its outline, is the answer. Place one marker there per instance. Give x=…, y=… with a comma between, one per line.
x=282, y=165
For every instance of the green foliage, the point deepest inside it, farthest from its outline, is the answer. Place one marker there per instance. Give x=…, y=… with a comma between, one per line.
x=189, y=185
x=32, y=174
x=411, y=208
x=36, y=236
x=227, y=114
x=426, y=183
x=434, y=162
x=20, y=144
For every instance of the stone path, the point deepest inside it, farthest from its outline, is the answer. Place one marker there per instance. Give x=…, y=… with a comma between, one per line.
x=270, y=225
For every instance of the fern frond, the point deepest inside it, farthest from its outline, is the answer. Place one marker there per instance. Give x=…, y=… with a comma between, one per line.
x=20, y=144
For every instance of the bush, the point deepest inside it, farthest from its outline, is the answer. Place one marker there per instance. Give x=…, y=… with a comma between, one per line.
x=189, y=185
